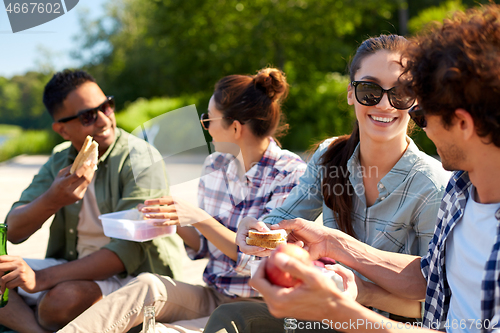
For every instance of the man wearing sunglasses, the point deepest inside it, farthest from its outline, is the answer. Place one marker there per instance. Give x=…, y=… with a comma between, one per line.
x=82, y=265
x=455, y=75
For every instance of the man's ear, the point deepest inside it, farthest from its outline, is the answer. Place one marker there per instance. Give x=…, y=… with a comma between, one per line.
x=238, y=129
x=465, y=123
x=350, y=94
x=60, y=128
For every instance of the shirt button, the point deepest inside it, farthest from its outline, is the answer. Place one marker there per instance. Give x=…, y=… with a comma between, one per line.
x=71, y=253
x=382, y=198
x=497, y=214
x=380, y=185
x=71, y=231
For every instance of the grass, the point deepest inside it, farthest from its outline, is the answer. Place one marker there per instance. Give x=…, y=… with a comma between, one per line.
x=28, y=142
x=10, y=130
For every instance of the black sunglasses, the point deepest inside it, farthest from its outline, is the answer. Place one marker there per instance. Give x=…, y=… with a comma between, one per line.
x=89, y=116
x=369, y=94
x=418, y=116
x=205, y=120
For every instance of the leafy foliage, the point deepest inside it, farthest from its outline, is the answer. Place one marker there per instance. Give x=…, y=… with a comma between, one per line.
x=158, y=55
x=29, y=142
x=21, y=99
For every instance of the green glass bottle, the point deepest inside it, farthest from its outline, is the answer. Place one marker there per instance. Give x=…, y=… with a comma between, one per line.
x=3, y=251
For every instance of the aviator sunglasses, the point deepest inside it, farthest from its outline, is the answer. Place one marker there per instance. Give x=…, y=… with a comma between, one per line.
x=369, y=94
x=417, y=115
x=89, y=116
x=205, y=120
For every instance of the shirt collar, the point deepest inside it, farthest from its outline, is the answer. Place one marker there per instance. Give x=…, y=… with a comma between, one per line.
x=460, y=182
x=396, y=175
x=400, y=171
x=254, y=175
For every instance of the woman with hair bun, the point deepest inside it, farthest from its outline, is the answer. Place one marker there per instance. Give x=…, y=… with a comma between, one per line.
x=244, y=115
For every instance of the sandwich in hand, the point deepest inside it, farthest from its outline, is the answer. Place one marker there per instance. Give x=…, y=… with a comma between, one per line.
x=268, y=239
x=88, y=152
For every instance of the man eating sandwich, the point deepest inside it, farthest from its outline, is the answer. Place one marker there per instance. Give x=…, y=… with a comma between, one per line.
x=82, y=265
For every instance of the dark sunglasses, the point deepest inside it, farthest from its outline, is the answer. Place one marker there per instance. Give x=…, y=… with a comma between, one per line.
x=369, y=94
x=205, y=120
x=418, y=116
x=89, y=116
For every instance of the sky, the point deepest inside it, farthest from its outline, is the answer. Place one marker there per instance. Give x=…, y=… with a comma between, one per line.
x=26, y=50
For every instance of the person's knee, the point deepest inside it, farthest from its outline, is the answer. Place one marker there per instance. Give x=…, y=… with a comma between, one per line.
x=243, y=317
x=65, y=302
x=223, y=319
x=148, y=279
x=153, y=285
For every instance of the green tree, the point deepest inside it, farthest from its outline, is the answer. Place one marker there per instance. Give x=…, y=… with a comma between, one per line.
x=21, y=98
x=173, y=47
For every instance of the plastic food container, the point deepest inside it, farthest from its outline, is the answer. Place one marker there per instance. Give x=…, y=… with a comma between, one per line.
x=129, y=225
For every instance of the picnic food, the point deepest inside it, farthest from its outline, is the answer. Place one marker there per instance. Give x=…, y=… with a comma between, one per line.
x=267, y=239
x=277, y=276
x=88, y=152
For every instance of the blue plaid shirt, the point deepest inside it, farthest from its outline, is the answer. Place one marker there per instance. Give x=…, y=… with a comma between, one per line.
x=229, y=195
x=437, y=299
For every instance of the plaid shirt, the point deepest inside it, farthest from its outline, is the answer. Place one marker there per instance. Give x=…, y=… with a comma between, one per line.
x=229, y=197
x=437, y=300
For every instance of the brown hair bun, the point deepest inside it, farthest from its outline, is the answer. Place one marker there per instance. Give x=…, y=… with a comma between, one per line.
x=273, y=82
x=254, y=100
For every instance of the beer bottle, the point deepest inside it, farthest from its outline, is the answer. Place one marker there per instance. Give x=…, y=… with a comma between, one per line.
x=149, y=321
x=3, y=250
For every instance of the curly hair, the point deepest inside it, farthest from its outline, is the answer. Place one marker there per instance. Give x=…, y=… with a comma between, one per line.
x=457, y=65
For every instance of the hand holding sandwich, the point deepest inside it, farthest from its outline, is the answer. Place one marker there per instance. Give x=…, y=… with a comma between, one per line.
x=66, y=189
x=69, y=188
x=316, y=239
x=247, y=224
x=71, y=182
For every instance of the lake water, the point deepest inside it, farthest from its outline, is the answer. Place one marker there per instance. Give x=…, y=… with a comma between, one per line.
x=3, y=138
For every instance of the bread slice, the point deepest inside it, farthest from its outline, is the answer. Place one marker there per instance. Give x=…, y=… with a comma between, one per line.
x=268, y=235
x=89, y=152
x=268, y=244
x=267, y=239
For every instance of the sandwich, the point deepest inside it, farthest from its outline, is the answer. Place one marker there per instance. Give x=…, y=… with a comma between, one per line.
x=267, y=239
x=88, y=152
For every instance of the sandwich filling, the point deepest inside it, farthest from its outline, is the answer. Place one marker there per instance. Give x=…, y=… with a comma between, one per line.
x=269, y=239
x=88, y=152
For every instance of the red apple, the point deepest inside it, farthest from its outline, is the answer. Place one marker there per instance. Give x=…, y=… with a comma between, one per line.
x=277, y=276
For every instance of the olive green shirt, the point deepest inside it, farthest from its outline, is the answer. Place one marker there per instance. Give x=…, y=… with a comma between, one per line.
x=116, y=189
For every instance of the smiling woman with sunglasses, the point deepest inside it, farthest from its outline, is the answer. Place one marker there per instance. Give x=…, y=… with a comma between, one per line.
x=373, y=184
